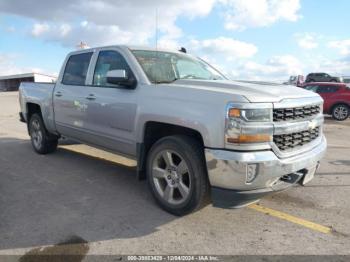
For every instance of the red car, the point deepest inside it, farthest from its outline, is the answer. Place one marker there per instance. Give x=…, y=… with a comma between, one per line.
x=336, y=98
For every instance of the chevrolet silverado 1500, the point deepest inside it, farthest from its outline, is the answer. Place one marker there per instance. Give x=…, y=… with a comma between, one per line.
x=191, y=130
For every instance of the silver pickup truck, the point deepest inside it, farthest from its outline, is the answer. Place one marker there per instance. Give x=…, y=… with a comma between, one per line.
x=192, y=131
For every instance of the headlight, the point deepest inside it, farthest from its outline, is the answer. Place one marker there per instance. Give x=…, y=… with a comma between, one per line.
x=248, y=125
x=255, y=115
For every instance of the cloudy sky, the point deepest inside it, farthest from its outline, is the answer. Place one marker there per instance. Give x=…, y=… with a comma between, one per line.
x=247, y=39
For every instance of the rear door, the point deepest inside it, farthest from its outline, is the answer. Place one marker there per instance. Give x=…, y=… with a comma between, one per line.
x=69, y=96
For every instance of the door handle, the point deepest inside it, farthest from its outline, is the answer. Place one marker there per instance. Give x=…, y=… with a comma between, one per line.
x=58, y=94
x=91, y=97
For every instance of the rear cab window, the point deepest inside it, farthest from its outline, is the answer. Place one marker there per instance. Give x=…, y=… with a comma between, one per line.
x=76, y=69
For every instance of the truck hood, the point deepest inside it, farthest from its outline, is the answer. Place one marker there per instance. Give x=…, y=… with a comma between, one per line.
x=254, y=92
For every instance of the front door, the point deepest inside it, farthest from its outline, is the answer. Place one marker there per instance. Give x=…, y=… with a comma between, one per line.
x=111, y=111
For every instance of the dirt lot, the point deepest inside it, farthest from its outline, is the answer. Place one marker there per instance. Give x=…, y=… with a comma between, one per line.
x=81, y=195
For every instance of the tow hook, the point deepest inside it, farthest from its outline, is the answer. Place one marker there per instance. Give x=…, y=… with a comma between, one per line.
x=286, y=178
x=292, y=178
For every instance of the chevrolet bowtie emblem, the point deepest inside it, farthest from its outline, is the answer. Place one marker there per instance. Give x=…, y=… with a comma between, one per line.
x=312, y=124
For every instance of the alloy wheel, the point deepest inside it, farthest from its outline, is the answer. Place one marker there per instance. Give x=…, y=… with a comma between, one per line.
x=171, y=177
x=36, y=134
x=341, y=112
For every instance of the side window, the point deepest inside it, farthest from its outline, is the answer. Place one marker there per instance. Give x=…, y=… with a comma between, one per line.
x=312, y=88
x=327, y=89
x=108, y=60
x=76, y=69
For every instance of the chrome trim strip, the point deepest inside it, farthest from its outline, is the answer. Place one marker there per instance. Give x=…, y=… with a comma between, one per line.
x=307, y=101
x=249, y=147
x=284, y=128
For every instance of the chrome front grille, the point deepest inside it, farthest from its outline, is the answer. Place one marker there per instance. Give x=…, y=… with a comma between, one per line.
x=295, y=113
x=293, y=140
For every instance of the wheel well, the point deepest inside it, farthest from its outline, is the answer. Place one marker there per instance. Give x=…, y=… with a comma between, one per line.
x=32, y=109
x=338, y=103
x=153, y=132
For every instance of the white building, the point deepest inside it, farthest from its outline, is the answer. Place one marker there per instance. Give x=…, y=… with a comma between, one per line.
x=12, y=82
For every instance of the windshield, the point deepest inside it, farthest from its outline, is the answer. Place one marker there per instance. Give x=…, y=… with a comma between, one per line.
x=311, y=88
x=166, y=67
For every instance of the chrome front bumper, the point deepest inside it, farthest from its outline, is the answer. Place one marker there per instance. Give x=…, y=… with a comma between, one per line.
x=227, y=171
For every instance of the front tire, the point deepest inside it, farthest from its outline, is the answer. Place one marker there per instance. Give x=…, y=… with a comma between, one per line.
x=340, y=112
x=42, y=141
x=177, y=175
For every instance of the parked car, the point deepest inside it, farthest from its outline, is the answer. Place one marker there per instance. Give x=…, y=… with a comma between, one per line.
x=336, y=98
x=322, y=77
x=189, y=127
x=346, y=79
x=295, y=80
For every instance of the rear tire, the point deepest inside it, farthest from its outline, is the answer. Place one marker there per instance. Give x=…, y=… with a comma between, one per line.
x=177, y=175
x=340, y=112
x=42, y=141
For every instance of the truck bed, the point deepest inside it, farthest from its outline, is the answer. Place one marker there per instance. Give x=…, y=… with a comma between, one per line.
x=39, y=94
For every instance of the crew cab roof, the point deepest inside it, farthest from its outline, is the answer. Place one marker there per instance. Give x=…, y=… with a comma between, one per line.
x=93, y=49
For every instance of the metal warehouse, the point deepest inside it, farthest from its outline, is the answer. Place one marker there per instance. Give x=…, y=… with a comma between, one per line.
x=12, y=82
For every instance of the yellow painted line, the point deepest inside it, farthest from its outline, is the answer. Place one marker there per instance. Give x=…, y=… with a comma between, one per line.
x=99, y=154
x=290, y=218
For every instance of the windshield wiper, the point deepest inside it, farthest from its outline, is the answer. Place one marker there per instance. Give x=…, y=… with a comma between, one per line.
x=192, y=77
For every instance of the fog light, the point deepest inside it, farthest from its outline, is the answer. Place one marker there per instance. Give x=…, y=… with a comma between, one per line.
x=251, y=173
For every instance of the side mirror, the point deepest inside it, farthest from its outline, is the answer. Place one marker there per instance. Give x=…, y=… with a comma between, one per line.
x=120, y=77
